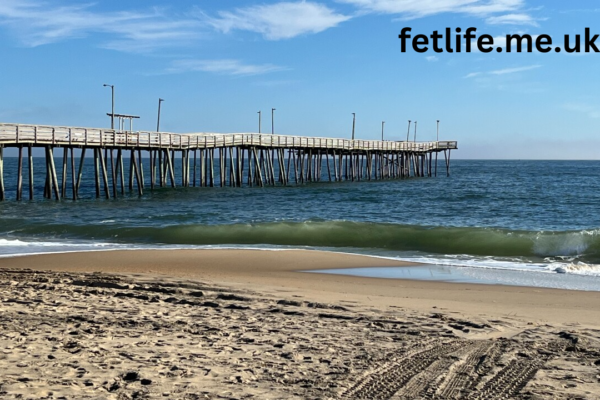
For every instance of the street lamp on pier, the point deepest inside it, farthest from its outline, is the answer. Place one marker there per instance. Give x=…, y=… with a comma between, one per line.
x=112, y=113
x=158, y=120
x=272, y=121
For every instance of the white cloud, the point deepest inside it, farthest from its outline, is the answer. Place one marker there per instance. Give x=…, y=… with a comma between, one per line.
x=512, y=19
x=513, y=70
x=37, y=23
x=432, y=58
x=423, y=8
x=224, y=67
x=504, y=71
x=277, y=21
x=591, y=111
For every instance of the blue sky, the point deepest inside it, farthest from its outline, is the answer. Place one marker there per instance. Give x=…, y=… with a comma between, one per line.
x=216, y=63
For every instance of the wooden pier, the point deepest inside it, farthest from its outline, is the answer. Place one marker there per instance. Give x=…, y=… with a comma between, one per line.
x=238, y=159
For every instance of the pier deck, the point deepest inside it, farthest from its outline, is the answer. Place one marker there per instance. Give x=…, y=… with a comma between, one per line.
x=265, y=155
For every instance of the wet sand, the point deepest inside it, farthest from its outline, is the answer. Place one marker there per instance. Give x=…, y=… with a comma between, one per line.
x=246, y=324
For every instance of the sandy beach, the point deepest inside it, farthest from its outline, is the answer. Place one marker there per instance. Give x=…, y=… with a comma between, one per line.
x=196, y=324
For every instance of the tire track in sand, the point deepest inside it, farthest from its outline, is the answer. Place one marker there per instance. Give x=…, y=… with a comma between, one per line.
x=386, y=380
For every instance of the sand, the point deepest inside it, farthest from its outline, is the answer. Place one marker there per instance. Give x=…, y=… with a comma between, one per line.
x=196, y=324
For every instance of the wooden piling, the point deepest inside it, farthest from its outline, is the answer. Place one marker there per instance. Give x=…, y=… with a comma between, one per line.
x=73, y=185
x=47, y=182
x=97, y=172
x=202, y=169
x=447, y=162
x=65, y=159
x=53, y=178
x=335, y=169
x=194, y=174
x=138, y=175
x=170, y=168
x=250, y=169
x=113, y=173
x=295, y=167
x=141, y=168
x=222, y=160
x=131, y=153
x=2, y=192
x=232, y=169
x=161, y=168
x=104, y=173
x=240, y=157
x=121, y=170
x=212, y=167
x=30, y=156
x=20, y=175
x=80, y=172
x=258, y=170
x=152, y=170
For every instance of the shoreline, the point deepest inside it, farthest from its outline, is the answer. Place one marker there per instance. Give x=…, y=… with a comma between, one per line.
x=267, y=271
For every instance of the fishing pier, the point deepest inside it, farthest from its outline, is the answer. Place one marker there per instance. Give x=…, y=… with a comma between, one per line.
x=207, y=159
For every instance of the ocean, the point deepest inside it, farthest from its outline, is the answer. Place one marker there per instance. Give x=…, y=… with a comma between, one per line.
x=515, y=222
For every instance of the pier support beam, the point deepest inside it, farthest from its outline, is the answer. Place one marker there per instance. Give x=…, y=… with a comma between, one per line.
x=53, y=178
x=2, y=193
x=138, y=175
x=169, y=161
x=121, y=170
x=104, y=173
x=202, y=169
x=20, y=175
x=30, y=156
x=96, y=172
x=113, y=172
x=73, y=186
x=63, y=186
x=80, y=173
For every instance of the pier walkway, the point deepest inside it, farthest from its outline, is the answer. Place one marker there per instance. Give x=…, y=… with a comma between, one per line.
x=209, y=159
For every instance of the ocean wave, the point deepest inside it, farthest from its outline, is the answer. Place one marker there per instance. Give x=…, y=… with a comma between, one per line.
x=529, y=246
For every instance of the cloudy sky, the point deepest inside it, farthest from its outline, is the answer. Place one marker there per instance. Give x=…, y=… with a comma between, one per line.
x=216, y=63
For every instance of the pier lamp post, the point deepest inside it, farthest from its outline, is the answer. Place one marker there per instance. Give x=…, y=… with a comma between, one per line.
x=112, y=113
x=382, y=124
x=408, y=131
x=259, y=120
x=353, y=124
x=158, y=120
x=437, y=138
x=272, y=121
x=415, y=132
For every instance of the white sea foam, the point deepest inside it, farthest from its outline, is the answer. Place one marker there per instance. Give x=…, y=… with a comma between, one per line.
x=577, y=268
x=564, y=243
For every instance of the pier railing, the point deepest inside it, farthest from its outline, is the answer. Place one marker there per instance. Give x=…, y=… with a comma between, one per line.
x=18, y=134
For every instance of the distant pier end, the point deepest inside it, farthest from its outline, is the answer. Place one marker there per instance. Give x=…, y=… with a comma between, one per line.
x=207, y=159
